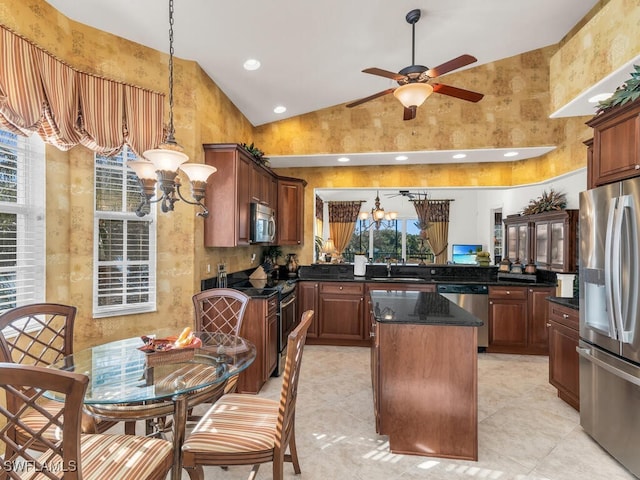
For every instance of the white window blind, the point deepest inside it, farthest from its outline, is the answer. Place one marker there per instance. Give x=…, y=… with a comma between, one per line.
x=22, y=220
x=124, y=280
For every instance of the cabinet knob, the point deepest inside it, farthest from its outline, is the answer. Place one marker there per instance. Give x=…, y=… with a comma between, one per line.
x=564, y=315
x=637, y=167
x=340, y=288
x=508, y=292
x=491, y=302
x=548, y=325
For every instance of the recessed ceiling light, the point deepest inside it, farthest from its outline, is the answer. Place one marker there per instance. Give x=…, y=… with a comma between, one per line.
x=511, y=154
x=460, y=155
x=251, y=64
x=401, y=158
x=600, y=97
x=280, y=109
x=343, y=159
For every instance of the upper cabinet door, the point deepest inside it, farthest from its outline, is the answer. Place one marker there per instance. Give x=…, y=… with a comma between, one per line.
x=290, y=211
x=616, y=145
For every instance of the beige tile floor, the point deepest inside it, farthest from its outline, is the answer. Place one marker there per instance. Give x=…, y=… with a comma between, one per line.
x=525, y=431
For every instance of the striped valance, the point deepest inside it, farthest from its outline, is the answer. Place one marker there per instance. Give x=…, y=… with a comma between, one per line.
x=66, y=107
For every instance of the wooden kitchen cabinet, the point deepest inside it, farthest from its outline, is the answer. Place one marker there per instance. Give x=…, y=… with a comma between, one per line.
x=518, y=319
x=341, y=308
x=260, y=327
x=616, y=144
x=228, y=197
x=261, y=187
x=517, y=239
x=307, y=293
x=507, y=319
x=290, y=211
x=555, y=245
x=563, y=358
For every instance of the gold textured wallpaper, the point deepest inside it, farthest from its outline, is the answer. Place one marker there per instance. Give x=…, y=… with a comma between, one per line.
x=602, y=45
x=514, y=112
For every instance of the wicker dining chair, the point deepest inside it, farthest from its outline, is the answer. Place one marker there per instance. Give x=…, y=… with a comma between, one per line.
x=243, y=429
x=69, y=454
x=220, y=310
x=41, y=334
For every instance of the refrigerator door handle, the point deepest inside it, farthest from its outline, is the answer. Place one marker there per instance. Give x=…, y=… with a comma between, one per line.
x=586, y=354
x=612, y=267
x=628, y=219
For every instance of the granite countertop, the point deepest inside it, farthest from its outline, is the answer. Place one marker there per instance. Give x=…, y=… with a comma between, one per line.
x=567, y=302
x=422, y=308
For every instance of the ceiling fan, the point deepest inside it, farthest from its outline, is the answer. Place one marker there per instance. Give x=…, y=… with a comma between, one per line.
x=405, y=193
x=413, y=81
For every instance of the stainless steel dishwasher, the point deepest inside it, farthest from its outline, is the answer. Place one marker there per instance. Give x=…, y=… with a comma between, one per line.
x=475, y=300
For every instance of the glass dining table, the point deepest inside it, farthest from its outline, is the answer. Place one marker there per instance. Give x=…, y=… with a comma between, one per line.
x=127, y=384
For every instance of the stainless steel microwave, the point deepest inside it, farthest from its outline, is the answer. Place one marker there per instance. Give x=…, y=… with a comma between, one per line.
x=263, y=224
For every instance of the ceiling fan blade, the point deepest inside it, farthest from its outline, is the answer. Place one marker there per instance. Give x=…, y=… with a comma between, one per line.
x=370, y=97
x=384, y=73
x=457, y=92
x=410, y=113
x=446, y=67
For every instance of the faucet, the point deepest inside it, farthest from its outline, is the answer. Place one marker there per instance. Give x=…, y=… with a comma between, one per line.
x=388, y=266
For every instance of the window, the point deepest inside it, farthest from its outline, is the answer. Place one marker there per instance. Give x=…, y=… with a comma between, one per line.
x=124, y=244
x=22, y=220
x=396, y=241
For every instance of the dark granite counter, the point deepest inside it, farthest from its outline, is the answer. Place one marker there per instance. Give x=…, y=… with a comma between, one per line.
x=567, y=302
x=426, y=274
x=423, y=308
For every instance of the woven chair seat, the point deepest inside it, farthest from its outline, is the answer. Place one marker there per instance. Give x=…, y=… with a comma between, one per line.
x=106, y=457
x=237, y=423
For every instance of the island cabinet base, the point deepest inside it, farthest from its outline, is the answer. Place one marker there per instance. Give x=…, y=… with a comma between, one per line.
x=425, y=384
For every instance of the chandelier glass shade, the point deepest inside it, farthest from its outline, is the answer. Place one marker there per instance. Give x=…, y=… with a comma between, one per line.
x=413, y=94
x=162, y=165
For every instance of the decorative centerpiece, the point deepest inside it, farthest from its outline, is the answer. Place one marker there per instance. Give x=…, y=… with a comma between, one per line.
x=547, y=202
x=170, y=349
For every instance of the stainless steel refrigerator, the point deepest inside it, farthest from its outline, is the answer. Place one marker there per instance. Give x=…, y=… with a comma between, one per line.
x=609, y=347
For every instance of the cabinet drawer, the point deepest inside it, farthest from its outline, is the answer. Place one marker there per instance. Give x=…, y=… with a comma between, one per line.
x=504, y=293
x=342, y=288
x=564, y=315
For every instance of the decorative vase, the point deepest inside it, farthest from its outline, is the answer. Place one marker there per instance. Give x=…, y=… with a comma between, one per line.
x=292, y=264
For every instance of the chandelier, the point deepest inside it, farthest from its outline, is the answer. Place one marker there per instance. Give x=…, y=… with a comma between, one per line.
x=162, y=165
x=378, y=217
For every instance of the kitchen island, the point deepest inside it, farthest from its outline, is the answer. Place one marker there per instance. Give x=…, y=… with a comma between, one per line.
x=424, y=374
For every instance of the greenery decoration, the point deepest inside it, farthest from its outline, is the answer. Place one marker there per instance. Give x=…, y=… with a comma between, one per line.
x=254, y=151
x=627, y=92
x=547, y=202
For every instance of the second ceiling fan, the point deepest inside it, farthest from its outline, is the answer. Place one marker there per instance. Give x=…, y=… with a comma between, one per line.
x=413, y=81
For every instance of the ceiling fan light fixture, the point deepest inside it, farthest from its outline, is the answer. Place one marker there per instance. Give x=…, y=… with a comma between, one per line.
x=413, y=94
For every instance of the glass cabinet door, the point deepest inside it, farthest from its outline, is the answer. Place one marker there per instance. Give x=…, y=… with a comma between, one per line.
x=523, y=244
x=557, y=243
x=512, y=242
x=542, y=245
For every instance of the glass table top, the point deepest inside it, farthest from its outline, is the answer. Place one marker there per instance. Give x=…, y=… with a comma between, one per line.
x=121, y=373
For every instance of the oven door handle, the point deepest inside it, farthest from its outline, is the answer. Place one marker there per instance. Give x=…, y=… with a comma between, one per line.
x=288, y=302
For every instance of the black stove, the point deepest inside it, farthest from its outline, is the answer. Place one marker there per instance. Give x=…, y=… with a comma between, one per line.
x=265, y=288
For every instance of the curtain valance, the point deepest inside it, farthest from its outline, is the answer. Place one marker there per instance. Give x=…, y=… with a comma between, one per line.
x=66, y=107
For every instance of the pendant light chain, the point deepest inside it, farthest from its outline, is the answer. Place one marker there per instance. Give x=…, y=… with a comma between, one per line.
x=171, y=132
